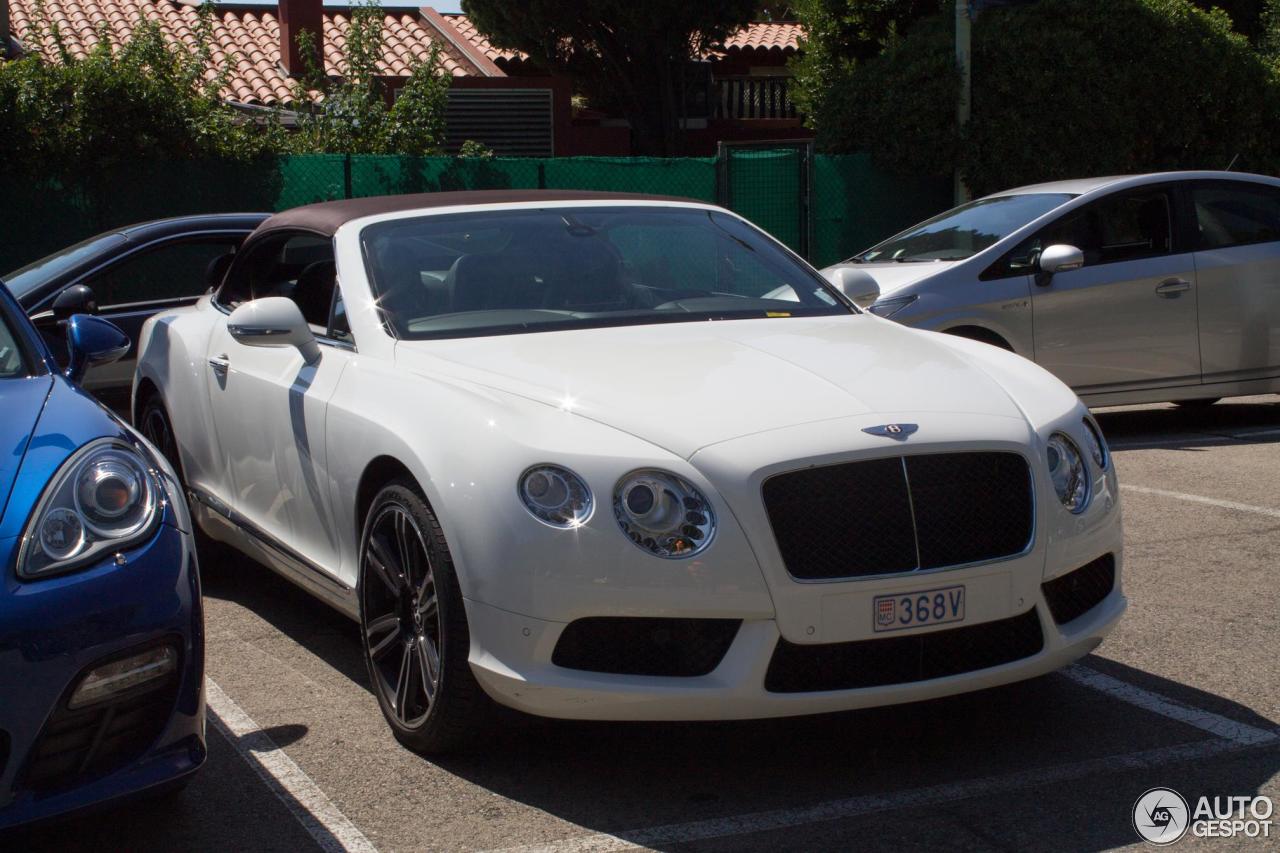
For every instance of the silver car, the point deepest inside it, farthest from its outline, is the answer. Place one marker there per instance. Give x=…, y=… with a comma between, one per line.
x=1149, y=288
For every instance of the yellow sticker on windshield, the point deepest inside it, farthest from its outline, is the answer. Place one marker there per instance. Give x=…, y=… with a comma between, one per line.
x=777, y=313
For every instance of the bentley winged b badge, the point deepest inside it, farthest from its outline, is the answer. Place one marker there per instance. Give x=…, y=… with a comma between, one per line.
x=898, y=431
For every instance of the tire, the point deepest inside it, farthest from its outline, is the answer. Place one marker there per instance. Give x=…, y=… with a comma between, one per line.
x=155, y=426
x=1202, y=403
x=413, y=626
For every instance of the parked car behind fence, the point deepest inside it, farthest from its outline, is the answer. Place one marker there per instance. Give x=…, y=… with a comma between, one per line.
x=1129, y=289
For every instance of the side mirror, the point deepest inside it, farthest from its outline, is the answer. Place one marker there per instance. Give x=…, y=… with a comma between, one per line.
x=76, y=299
x=273, y=321
x=1060, y=258
x=856, y=284
x=216, y=271
x=92, y=341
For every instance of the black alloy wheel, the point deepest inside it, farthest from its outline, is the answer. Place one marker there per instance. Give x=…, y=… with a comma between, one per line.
x=414, y=627
x=154, y=424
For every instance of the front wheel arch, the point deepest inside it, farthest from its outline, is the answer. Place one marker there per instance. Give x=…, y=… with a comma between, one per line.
x=378, y=473
x=980, y=333
x=146, y=390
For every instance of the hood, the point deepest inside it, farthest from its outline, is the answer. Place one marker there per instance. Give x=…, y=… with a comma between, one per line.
x=684, y=386
x=21, y=400
x=894, y=276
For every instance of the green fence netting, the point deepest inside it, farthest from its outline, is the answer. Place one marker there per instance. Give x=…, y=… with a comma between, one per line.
x=856, y=205
x=849, y=204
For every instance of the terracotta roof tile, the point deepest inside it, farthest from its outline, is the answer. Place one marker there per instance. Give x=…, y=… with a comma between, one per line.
x=246, y=39
x=767, y=35
x=782, y=36
x=468, y=31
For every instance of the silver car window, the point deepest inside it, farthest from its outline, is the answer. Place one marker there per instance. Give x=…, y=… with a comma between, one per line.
x=964, y=231
x=1236, y=214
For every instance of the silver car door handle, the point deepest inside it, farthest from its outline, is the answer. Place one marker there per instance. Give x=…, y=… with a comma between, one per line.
x=220, y=364
x=1171, y=288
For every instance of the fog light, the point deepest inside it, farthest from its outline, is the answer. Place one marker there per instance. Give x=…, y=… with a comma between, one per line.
x=120, y=676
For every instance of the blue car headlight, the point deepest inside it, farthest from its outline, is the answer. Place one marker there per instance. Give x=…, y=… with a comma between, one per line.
x=105, y=498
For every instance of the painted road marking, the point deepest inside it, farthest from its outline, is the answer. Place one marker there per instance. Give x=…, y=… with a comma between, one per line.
x=301, y=795
x=1200, y=499
x=1230, y=736
x=1214, y=724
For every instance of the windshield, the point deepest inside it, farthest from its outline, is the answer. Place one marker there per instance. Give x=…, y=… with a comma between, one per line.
x=964, y=231
x=13, y=362
x=23, y=281
x=502, y=272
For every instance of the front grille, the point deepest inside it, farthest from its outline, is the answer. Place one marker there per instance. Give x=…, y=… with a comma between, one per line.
x=901, y=514
x=902, y=660
x=87, y=743
x=1077, y=592
x=645, y=646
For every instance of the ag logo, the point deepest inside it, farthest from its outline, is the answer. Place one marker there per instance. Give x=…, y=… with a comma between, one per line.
x=1161, y=816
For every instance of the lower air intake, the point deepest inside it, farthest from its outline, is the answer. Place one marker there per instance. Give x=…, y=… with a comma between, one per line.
x=1076, y=593
x=78, y=745
x=902, y=660
x=645, y=646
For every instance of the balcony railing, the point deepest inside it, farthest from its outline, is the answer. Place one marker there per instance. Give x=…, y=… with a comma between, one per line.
x=753, y=97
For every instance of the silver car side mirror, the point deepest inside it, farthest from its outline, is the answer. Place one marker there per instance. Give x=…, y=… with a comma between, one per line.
x=1060, y=258
x=858, y=285
x=273, y=321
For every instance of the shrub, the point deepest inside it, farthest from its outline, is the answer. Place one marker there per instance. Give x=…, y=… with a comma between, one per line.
x=1066, y=88
x=73, y=118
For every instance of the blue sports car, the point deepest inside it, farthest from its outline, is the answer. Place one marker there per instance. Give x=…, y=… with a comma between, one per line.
x=101, y=629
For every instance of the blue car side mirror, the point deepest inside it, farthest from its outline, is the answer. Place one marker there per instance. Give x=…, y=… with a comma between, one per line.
x=92, y=341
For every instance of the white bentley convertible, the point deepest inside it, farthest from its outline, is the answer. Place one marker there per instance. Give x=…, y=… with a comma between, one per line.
x=611, y=457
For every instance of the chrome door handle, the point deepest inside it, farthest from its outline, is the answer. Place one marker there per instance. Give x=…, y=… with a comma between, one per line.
x=1171, y=288
x=220, y=364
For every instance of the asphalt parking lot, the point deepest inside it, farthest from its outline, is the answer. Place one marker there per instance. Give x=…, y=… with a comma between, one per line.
x=1186, y=695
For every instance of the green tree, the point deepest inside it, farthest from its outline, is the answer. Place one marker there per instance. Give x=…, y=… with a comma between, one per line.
x=1246, y=15
x=623, y=53
x=1122, y=86
x=354, y=112
x=841, y=34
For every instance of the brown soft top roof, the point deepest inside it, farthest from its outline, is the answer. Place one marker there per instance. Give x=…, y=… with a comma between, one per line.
x=326, y=217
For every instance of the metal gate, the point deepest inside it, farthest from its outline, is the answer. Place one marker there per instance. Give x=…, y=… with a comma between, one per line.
x=770, y=183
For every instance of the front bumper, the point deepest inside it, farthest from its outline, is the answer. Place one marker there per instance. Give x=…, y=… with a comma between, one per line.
x=53, y=630
x=511, y=657
x=826, y=624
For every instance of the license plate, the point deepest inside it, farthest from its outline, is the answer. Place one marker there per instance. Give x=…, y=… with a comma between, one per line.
x=916, y=609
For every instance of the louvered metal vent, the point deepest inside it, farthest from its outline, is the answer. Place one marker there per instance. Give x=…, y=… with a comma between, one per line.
x=513, y=122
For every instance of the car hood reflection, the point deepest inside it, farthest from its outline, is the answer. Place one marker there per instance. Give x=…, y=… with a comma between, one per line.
x=683, y=386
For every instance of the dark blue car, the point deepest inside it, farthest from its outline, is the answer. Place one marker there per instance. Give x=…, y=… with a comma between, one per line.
x=101, y=629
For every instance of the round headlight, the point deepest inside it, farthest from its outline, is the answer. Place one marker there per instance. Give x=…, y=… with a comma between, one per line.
x=1097, y=444
x=556, y=496
x=114, y=495
x=105, y=497
x=1067, y=471
x=663, y=514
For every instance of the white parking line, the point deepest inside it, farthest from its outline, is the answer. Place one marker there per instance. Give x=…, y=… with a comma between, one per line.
x=1200, y=499
x=316, y=812
x=1230, y=736
x=1214, y=724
